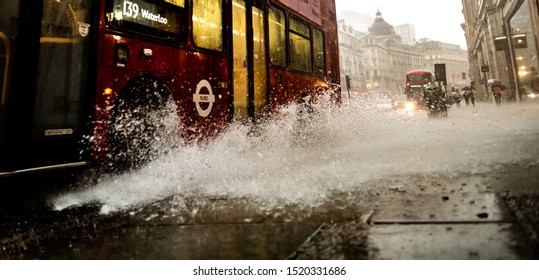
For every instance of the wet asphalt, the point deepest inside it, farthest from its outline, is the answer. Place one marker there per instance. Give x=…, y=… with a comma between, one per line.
x=470, y=216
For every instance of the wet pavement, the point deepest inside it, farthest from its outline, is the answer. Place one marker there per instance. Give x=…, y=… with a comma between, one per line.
x=459, y=221
x=470, y=216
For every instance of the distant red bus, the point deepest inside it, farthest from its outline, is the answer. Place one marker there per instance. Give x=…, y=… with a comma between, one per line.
x=87, y=81
x=416, y=81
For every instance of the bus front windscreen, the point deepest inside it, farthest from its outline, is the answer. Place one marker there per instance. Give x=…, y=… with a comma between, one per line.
x=419, y=78
x=166, y=19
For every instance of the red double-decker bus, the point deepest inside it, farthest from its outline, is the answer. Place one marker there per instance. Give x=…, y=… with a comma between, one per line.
x=91, y=81
x=416, y=81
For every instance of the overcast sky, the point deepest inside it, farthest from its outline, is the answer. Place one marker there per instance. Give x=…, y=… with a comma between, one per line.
x=438, y=20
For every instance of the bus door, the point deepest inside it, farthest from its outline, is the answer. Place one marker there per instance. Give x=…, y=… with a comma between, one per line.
x=47, y=103
x=249, y=60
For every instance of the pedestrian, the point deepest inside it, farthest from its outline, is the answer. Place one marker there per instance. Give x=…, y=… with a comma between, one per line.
x=456, y=97
x=471, y=97
x=466, y=96
x=497, y=92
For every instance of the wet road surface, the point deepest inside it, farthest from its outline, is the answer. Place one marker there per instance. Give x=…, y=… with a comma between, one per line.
x=475, y=216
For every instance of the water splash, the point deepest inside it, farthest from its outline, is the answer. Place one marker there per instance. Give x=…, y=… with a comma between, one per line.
x=337, y=149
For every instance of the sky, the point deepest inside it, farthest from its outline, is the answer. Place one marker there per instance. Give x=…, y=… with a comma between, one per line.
x=437, y=20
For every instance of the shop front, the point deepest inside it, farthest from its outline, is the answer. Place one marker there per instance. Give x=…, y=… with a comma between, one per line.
x=522, y=22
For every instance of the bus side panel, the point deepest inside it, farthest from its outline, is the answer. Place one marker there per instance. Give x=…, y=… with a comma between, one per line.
x=114, y=75
x=190, y=76
x=287, y=86
x=142, y=56
x=329, y=25
x=203, y=95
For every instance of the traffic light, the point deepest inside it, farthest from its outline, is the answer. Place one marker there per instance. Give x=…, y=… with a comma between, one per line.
x=439, y=72
x=348, y=81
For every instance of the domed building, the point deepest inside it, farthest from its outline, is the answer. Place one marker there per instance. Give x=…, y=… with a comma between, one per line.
x=386, y=59
x=380, y=27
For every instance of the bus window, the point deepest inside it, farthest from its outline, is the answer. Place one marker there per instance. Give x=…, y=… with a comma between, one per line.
x=4, y=59
x=277, y=37
x=10, y=10
x=179, y=3
x=239, y=46
x=259, y=62
x=208, y=24
x=164, y=19
x=300, y=46
x=62, y=67
x=319, y=53
x=4, y=66
x=419, y=78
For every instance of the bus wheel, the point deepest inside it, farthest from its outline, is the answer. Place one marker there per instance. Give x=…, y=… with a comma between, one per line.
x=143, y=119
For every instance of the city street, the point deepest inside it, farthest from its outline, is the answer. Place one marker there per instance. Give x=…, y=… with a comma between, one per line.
x=350, y=182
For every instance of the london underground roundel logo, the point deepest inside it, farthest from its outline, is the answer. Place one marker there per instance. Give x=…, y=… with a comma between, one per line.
x=204, y=98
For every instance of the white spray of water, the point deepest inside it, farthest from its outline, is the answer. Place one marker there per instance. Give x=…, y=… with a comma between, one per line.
x=336, y=150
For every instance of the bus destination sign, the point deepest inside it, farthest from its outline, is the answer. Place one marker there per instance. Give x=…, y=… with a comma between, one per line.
x=154, y=14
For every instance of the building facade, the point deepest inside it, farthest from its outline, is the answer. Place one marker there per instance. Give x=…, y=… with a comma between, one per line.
x=502, y=38
x=453, y=56
x=351, y=59
x=378, y=60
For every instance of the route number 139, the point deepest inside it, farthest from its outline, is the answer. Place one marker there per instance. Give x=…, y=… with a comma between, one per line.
x=130, y=9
